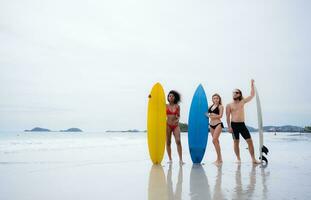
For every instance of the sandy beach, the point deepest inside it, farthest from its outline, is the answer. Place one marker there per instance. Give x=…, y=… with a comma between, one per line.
x=117, y=166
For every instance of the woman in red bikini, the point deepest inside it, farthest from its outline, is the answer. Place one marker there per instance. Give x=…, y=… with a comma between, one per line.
x=173, y=114
x=215, y=113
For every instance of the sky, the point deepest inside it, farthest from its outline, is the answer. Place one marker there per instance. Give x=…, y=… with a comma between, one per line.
x=91, y=64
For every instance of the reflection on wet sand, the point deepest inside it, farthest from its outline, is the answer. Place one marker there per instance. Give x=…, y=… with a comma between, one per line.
x=239, y=192
x=264, y=174
x=178, y=192
x=157, y=185
x=244, y=187
x=199, y=187
x=247, y=192
x=218, y=194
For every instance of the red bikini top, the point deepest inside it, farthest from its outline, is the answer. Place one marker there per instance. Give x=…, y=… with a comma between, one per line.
x=169, y=112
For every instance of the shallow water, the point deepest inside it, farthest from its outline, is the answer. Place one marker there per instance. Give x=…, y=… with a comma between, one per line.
x=117, y=166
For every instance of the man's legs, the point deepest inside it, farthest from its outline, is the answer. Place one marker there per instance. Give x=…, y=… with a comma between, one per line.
x=236, y=139
x=236, y=144
x=247, y=136
x=251, y=150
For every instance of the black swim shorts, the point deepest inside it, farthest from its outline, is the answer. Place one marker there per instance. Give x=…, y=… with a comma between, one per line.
x=239, y=127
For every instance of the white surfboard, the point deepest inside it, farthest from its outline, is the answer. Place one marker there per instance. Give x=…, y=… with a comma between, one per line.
x=262, y=148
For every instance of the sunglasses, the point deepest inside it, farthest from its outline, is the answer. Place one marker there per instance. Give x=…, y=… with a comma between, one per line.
x=235, y=92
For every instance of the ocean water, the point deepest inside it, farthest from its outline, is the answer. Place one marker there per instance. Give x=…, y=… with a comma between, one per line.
x=117, y=166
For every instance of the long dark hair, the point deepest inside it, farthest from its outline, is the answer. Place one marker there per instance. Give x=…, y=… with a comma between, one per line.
x=176, y=95
x=217, y=95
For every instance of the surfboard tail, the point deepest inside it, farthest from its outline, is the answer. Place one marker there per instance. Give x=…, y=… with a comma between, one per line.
x=197, y=154
x=264, y=149
x=263, y=158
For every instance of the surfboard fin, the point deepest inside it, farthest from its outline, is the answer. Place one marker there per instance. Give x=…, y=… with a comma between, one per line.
x=263, y=158
x=264, y=149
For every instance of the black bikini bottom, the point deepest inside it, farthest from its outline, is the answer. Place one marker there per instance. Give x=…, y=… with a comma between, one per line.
x=214, y=126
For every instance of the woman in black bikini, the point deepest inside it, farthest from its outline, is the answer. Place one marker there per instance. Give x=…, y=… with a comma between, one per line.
x=215, y=113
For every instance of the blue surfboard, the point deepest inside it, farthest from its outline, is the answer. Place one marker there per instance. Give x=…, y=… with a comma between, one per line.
x=198, y=125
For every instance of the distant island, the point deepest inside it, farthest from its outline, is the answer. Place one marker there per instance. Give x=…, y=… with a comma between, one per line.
x=307, y=129
x=72, y=130
x=286, y=128
x=183, y=127
x=39, y=129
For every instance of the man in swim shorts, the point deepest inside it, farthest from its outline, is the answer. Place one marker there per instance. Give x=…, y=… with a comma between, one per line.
x=235, y=120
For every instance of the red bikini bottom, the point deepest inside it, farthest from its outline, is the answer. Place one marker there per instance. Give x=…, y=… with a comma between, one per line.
x=172, y=127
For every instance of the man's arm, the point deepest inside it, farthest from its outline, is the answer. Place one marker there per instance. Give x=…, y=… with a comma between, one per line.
x=249, y=98
x=228, y=113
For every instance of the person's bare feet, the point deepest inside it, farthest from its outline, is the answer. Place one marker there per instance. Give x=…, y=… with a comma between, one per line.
x=238, y=161
x=218, y=162
x=170, y=162
x=181, y=162
x=256, y=162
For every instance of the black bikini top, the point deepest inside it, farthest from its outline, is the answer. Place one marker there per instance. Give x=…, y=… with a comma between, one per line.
x=216, y=110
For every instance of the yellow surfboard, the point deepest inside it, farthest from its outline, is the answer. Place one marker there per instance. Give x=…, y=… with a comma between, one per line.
x=156, y=123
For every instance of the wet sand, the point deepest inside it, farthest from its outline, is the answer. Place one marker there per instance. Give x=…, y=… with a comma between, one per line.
x=117, y=166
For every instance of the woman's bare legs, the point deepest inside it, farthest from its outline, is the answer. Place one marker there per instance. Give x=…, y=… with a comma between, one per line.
x=215, y=134
x=178, y=143
x=168, y=143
